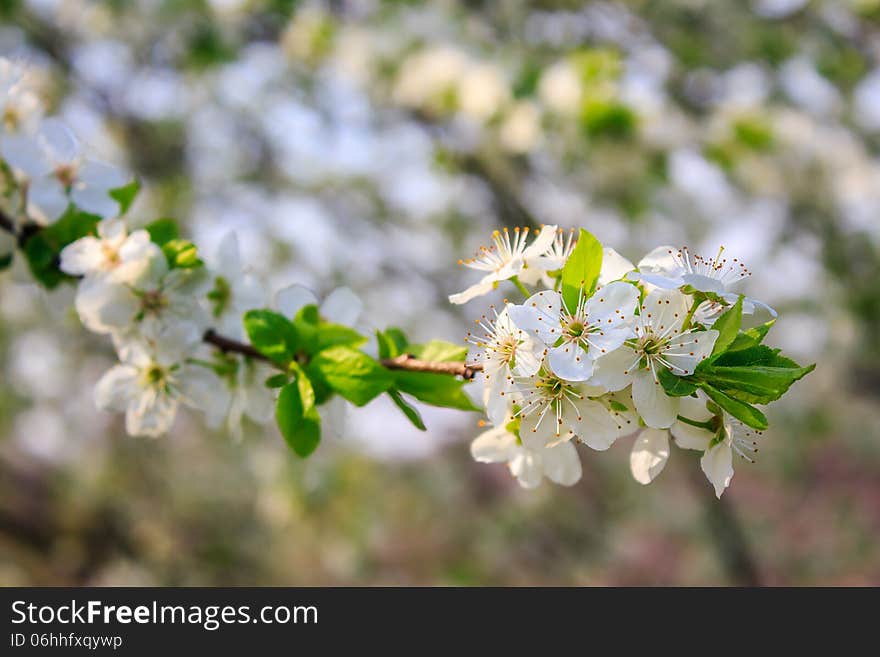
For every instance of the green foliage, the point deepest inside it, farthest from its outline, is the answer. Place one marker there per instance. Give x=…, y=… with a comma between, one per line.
x=181, y=254
x=677, y=386
x=435, y=389
x=5, y=261
x=609, y=119
x=728, y=327
x=163, y=231
x=408, y=410
x=272, y=334
x=125, y=195
x=353, y=374
x=43, y=249
x=581, y=271
x=297, y=416
x=744, y=412
x=392, y=342
x=439, y=351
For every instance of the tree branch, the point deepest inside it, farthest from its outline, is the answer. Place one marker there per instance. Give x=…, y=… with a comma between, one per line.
x=403, y=362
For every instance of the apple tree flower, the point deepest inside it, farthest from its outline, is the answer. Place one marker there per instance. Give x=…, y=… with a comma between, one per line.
x=576, y=337
x=506, y=352
x=58, y=172
x=507, y=258
x=152, y=381
x=114, y=253
x=234, y=289
x=660, y=343
x=527, y=460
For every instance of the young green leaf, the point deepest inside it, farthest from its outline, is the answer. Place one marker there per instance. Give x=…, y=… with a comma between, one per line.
x=181, y=254
x=434, y=389
x=392, y=342
x=582, y=269
x=125, y=195
x=676, y=386
x=352, y=374
x=298, y=417
x=755, y=384
x=439, y=351
x=276, y=381
x=271, y=334
x=728, y=327
x=410, y=411
x=163, y=231
x=5, y=260
x=333, y=335
x=742, y=411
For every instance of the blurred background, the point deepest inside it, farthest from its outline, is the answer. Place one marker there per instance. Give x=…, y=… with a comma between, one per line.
x=373, y=144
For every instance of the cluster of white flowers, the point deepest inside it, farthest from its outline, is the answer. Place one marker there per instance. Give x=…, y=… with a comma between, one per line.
x=155, y=311
x=588, y=369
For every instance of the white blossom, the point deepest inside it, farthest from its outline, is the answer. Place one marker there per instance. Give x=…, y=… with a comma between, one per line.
x=20, y=106
x=341, y=306
x=575, y=338
x=553, y=411
x=121, y=256
x=667, y=267
x=234, y=289
x=528, y=462
x=659, y=344
x=58, y=172
x=507, y=257
x=506, y=352
x=152, y=381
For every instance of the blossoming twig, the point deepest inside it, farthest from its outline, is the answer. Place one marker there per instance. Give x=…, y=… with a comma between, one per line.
x=403, y=362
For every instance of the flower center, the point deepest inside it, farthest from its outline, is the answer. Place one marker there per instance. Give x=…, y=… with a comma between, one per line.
x=155, y=376
x=66, y=174
x=111, y=255
x=153, y=302
x=220, y=296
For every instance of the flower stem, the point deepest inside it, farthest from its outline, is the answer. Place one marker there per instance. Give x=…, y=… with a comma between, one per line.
x=698, y=299
x=522, y=288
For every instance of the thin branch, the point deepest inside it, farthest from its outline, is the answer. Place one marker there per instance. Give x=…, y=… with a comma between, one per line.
x=403, y=362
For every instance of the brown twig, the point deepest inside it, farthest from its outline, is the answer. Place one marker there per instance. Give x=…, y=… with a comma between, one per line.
x=403, y=362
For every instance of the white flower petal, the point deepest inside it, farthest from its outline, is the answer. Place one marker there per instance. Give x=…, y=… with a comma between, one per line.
x=290, y=299
x=685, y=351
x=342, y=306
x=570, y=362
x=656, y=408
x=614, y=266
x=717, y=464
x=497, y=445
x=562, y=465
x=150, y=414
x=114, y=390
x=526, y=466
x=24, y=153
x=542, y=243
x=612, y=305
x=486, y=285
x=538, y=316
x=82, y=257
x=664, y=311
x=649, y=454
x=614, y=371
x=594, y=424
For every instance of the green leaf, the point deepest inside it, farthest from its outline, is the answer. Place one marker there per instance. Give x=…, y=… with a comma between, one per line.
x=755, y=384
x=728, y=327
x=755, y=355
x=352, y=373
x=306, y=323
x=676, y=386
x=181, y=254
x=297, y=416
x=272, y=334
x=750, y=338
x=125, y=195
x=392, y=342
x=5, y=261
x=435, y=389
x=332, y=335
x=277, y=381
x=744, y=412
x=581, y=271
x=410, y=411
x=439, y=351
x=43, y=249
x=758, y=333
x=163, y=231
